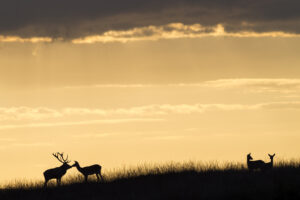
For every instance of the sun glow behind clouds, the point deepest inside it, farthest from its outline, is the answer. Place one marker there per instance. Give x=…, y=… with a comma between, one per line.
x=134, y=101
x=22, y=40
x=153, y=33
x=174, y=31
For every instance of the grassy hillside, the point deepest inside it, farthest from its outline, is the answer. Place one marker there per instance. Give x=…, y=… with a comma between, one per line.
x=173, y=181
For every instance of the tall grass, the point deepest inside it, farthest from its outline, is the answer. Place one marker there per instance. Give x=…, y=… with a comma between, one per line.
x=173, y=180
x=148, y=169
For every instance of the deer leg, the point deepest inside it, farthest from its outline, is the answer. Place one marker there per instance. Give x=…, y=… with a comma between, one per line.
x=101, y=176
x=58, y=181
x=97, y=177
x=46, y=181
x=86, y=178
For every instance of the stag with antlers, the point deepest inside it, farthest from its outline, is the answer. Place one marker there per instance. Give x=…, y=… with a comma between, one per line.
x=89, y=170
x=58, y=172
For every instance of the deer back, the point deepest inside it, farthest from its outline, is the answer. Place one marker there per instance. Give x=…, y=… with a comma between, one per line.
x=256, y=164
x=57, y=172
x=93, y=169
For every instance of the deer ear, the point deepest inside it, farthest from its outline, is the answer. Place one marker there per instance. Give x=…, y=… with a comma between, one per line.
x=274, y=154
x=269, y=154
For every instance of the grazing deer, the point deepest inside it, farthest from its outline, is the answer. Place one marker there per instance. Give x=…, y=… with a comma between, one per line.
x=255, y=164
x=269, y=165
x=89, y=170
x=58, y=172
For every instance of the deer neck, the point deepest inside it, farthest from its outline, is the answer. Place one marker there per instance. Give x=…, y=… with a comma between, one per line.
x=65, y=167
x=248, y=160
x=271, y=162
x=78, y=167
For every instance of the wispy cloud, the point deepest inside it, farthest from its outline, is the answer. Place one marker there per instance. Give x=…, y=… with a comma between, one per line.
x=254, y=85
x=133, y=114
x=27, y=113
x=294, y=105
x=23, y=40
x=174, y=31
x=154, y=33
x=257, y=85
x=76, y=123
x=23, y=113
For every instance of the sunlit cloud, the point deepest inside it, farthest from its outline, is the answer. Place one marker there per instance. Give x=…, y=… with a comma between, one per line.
x=76, y=123
x=154, y=33
x=140, y=112
x=23, y=113
x=258, y=85
x=174, y=31
x=281, y=105
x=23, y=40
x=253, y=85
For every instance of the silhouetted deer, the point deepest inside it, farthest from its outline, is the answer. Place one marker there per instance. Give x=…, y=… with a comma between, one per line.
x=269, y=165
x=255, y=164
x=58, y=172
x=89, y=170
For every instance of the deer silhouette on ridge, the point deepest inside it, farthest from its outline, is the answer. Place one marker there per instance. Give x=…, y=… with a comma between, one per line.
x=269, y=165
x=58, y=172
x=254, y=164
x=89, y=170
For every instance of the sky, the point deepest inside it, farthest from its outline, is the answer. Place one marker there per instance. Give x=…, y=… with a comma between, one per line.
x=127, y=82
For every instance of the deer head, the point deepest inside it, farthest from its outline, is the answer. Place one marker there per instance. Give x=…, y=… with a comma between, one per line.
x=249, y=157
x=271, y=156
x=64, y=161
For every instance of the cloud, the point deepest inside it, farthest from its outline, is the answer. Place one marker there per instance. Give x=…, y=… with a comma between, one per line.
x=22, y=40
x=71, y=19
x=27, y=113
x=253, y=85
x=138, y=113
x=173, y=31
x=153, y=33
x=23, y=113
x=76, y=123
x=258, y=85
x=294, y=105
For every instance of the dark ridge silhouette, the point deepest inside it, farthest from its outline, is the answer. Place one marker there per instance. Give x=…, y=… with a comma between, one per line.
x=89, y=170
x=255, y=164
x=58, y=172
x=232, y=182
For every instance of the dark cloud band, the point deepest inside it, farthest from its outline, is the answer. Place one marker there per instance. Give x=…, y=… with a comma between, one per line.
x=70, y=19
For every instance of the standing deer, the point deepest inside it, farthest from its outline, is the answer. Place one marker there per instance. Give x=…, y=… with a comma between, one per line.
x=58, y=172
x=269, y=165
x=89, y=170
x=255, y=164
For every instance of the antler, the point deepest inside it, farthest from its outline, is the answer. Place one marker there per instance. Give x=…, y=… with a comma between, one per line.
x=60, y=157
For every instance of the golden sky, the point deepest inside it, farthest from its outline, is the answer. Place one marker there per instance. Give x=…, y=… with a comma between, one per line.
x=120, y=93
